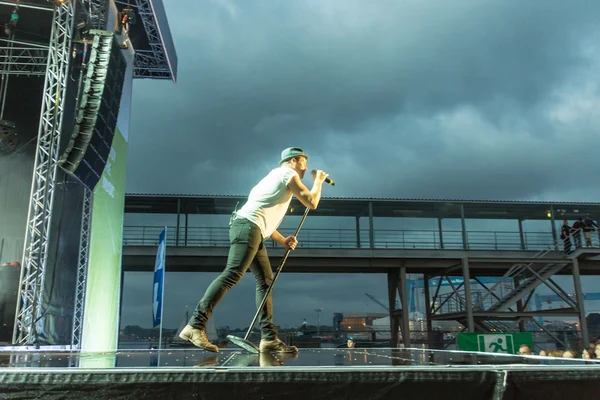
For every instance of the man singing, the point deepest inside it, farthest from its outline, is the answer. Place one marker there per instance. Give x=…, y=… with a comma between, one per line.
x=250, y=226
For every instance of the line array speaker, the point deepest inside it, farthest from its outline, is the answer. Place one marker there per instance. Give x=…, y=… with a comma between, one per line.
x=97, y=110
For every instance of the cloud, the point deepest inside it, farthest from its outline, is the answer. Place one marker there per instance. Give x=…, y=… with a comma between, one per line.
x=450, y=99
x=229, y=6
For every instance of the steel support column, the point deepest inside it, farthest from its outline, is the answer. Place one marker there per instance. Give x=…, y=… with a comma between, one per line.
x=371, y=229
x=397, y=286
x=552, y=221
x=521, y=234
x=402, y=289
x=441, y=234
x=35, y=250
x=185, y=239
x=463, y=225
x=468, y=301
x=392, y=278
x=82, y=268
x=580, y=303
x=428, y=311
x=357, y=232
x=178, y=221
x=520, y=305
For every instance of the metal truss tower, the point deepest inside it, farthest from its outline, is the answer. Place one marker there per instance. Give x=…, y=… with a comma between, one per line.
x=97, y=11
x=52, y=61
x=150, y=63
x=84, y=246
x=35, y=252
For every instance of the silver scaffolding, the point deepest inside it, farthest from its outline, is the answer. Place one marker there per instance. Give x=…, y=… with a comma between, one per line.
x=97, y=12
x=151, y=63
x=19, y=57
x=83, y=256
x=52, y=61
x=23, y=58
x=35, y=251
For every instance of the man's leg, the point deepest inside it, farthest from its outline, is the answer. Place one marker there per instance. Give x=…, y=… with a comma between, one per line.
x=566, y=245
x=263, y=274
x=261, y=267
x=245, y=240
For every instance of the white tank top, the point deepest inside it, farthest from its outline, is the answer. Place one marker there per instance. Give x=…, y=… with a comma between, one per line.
x=269, y=200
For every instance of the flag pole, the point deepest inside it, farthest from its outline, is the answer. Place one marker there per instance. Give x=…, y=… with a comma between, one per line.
x=162, y=298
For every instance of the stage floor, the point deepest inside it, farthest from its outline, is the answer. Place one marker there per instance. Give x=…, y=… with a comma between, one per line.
x=327, y=374
x=182, y=358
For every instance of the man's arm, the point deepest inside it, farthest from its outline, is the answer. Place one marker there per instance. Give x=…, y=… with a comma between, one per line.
x=276, y=236
x=289, y=242
x=310, y=198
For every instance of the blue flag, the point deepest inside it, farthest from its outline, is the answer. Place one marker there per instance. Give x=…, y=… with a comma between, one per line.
x=159, y=278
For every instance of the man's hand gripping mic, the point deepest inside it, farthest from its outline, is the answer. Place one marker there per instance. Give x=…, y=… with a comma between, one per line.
x=327, y=180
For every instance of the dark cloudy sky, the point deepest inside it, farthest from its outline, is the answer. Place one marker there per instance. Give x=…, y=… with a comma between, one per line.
x=436, y=99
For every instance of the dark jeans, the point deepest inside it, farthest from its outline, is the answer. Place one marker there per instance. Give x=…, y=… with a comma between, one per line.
x=246, y=251
x=567, y=245
x=577, y=237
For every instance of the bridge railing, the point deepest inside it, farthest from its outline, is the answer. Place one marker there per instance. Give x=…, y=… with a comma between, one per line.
x=349, y=238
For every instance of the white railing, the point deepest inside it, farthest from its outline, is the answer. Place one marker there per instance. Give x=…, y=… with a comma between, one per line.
x=349, y=238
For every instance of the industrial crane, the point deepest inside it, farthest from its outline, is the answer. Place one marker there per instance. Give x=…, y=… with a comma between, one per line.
x=548, y=298
x=380, y=303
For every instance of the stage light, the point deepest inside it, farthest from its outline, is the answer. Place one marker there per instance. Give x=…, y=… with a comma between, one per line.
x=9, y=137
x=82, y=32
x=11, y=24
x=128, y=16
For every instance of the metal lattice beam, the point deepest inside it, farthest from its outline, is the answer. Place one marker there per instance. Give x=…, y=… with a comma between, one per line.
x=84, y=245
x=150, y=63
x=146, y=64
x=35, y=253
x=98, y=13
x=95, y=12
x=20, y=58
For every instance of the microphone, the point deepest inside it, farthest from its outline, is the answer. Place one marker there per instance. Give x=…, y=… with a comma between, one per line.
x=327, y=180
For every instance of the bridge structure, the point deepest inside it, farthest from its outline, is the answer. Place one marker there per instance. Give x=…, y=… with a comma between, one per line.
x=492, y=275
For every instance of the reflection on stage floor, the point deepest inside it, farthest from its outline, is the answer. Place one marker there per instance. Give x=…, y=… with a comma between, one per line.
x=324, y=374
x=304, y=359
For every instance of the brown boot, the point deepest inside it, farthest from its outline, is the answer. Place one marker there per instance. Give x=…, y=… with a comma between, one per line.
x=276, y=346
x=198, y=338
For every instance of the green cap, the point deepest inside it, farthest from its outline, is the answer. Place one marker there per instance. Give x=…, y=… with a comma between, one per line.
x=290, y=153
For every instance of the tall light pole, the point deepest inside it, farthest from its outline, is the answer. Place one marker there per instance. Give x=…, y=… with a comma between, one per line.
x=318, y=310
